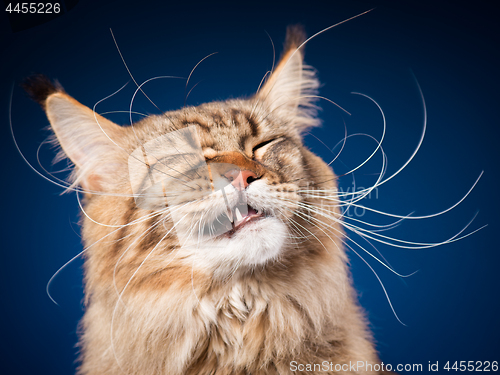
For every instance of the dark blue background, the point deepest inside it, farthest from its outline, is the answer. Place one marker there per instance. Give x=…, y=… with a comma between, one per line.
x=451, y=306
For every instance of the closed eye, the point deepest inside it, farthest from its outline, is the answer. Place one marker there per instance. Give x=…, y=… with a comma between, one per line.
x=259, y=150
x=262, y=144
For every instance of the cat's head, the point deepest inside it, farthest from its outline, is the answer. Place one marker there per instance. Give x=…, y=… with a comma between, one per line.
x=222, y=181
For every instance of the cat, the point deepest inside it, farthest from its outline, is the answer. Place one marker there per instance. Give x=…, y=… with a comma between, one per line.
x=205, y=251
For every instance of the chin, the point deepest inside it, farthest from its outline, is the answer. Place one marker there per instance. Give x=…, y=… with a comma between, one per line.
x=253, y=244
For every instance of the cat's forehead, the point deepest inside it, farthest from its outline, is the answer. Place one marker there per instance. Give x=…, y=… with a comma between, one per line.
x=230, y=125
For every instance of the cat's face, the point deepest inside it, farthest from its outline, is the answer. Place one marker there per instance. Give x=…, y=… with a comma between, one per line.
x=227, y=177
x=217, y=187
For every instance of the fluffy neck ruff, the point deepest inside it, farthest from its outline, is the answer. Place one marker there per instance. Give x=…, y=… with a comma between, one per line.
x=256, y=322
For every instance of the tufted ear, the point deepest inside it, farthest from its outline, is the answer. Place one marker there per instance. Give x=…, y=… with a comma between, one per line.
x=89, y=140
x=289, y=91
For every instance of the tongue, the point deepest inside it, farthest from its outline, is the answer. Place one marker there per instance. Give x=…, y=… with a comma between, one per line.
x=251, y=211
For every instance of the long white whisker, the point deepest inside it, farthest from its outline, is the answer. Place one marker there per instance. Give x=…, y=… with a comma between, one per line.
x=135, y=113
x=328, y=213
x=381, y=284
x=321, y=32
x=424, y=108
x=379, y=143
x=268, y=73
x=191, y=89
x=128, y=70
x=371, y=268
x=88, y=217
x=190, y=74
x=415, y=245
x=340, y=232
x=125, y=287
x=130, y=115
x=139, y=88
x=67, y=169
x=65, y=186
x=47, y=288
x=331, y=150
x=95, y=114
x=416, y=217
x=131, y=246
x=323, y=98
x=142, y=145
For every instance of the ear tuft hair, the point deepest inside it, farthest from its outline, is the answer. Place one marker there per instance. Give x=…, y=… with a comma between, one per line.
x=39, y=87
x=290, y=92
x=295, y=36
x=90, y=141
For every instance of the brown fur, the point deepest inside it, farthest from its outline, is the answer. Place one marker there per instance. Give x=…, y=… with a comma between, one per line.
x=155, y=308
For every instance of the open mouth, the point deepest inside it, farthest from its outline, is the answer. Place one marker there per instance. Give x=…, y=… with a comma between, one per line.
x=239, y=220
x=232, y=220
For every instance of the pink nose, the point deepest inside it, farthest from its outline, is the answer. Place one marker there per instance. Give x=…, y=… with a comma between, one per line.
x=240, y=179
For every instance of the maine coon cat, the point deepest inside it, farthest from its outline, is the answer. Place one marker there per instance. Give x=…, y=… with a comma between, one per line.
x=206, y=252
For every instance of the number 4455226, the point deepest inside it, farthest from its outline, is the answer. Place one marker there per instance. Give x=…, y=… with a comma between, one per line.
x=35, y=8
x=471, y=366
